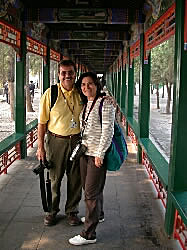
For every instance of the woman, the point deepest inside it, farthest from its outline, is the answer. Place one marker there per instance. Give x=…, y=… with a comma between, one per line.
x=97, y=138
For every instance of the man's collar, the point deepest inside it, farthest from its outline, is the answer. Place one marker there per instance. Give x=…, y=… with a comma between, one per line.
x=65, y=90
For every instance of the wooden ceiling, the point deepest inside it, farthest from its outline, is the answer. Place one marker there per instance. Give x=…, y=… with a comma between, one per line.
x=91, y=32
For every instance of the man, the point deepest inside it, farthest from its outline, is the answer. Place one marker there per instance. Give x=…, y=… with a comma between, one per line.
x=32, y=87
x=6, y=92
x=63, y=131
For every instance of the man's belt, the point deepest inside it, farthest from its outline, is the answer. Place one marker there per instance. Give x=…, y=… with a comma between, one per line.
x=64, y=137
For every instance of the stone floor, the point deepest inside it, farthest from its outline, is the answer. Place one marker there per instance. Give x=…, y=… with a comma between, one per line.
x=134, y=216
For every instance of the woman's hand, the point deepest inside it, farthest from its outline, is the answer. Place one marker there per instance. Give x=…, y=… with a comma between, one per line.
x=98, y=162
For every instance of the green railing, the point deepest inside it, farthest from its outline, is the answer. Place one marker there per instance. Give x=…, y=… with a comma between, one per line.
x=10, y=147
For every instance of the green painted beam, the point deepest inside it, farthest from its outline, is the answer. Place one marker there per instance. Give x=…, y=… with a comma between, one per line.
x=144, y=99
x=114, y=83
x=119, y=87
x=123, y=89
x=20, y=105
x=46, y=71
x=130, y=100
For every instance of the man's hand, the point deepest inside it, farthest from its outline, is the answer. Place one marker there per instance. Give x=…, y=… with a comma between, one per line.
x=98, y=162
x=41, y=154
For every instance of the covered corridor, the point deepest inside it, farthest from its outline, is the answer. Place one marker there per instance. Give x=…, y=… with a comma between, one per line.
x=118, y=43
x=134, y=217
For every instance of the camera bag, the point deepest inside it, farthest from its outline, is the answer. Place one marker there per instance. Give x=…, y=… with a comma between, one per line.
x=117, y=152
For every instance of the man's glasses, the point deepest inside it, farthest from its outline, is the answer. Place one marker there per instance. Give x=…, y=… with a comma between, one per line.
x=70, y=73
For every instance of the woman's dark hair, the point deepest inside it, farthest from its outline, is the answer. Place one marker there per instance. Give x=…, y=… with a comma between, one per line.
x=96, y=82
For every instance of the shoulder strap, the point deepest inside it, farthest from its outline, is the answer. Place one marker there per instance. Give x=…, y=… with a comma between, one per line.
x=100, y=110
x=54, y=94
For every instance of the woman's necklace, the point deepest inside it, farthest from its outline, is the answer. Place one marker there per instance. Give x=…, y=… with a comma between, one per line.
x=87, y=113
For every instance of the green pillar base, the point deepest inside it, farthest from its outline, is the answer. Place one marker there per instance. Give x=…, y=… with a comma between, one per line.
x=139, y=154
x=126, y=128
x=169, y=216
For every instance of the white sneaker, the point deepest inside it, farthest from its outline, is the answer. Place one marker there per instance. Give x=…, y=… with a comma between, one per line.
x=79, y=240
x=100, y=220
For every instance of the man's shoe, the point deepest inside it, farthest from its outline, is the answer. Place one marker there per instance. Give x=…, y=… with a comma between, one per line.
x=73, y=219
x=79, y=240
x=50, y=220
x=101, y=219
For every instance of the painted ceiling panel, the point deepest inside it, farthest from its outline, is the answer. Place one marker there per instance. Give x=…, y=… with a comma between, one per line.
x=93, y=31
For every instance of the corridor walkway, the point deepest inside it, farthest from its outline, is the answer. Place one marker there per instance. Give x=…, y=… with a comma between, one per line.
x=133, y=214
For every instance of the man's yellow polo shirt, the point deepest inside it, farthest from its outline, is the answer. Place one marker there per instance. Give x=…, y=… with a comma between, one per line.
x=59, y=118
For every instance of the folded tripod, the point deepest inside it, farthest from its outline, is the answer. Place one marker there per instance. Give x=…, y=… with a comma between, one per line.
x=45, y=186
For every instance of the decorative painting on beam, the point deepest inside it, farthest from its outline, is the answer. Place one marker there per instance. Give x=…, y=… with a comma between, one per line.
x=125, y=58
x=9, y=34
x=121, y=58
x=116, y=66
x=134, y=51
x=110, y=69
x=160, y=31
x=54, y=55
x=36, y=47
x=154, y=5
x=119, y=62
x=125, y=16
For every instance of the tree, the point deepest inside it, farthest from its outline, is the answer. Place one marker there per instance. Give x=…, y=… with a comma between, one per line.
x=53, y=72
x=4, y=52
x=157, y=97
x=137, y=73
x=28, y=94
x=162, y=67
x=10, y=77
x=35, y=65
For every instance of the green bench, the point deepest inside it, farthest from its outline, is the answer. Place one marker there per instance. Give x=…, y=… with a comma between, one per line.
x=180, y=203
x=32, y=125
x=134, y=125
x=160, y=165
x=10, y=141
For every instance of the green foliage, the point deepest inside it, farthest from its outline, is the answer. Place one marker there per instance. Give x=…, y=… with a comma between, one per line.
x=35, y=63
x=137, y=69
x=162, y=63
x=5, y=52
x=6, y=57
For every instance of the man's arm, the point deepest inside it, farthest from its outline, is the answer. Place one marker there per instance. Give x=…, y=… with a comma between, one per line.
x=41, y=154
